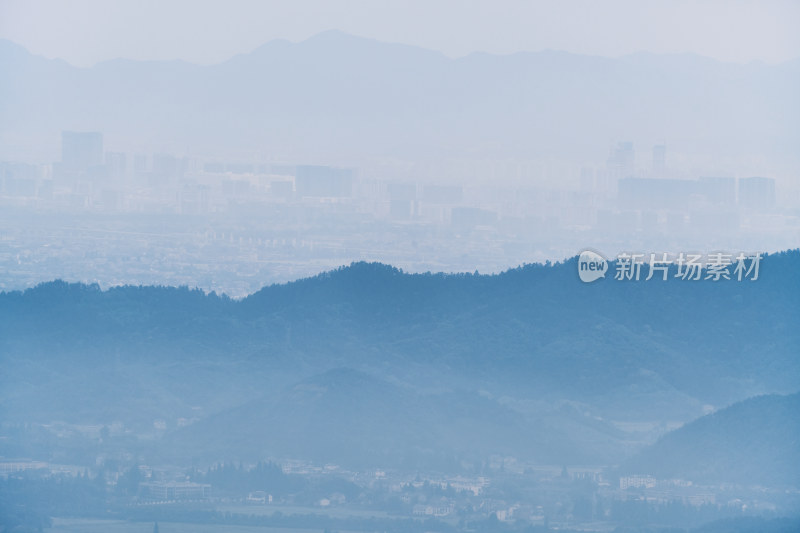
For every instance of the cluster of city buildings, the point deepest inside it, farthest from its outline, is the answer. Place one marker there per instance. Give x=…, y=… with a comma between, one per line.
x=117, y=218
x=87, y=177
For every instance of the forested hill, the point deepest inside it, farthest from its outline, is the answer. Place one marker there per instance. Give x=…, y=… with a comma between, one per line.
x=754, y=442
x=531, y=336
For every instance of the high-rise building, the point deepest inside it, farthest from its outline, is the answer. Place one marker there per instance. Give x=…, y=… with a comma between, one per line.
x=655, y=193
x=402, y=199
x=116, y=164
x=659, y=160
x=165, y=167
x=587, y=182
x=81, y=150
x=621, y=160
x=718, y=190
x=757, y=193
x=321, y=181
x=139, y=164
x=442, y=194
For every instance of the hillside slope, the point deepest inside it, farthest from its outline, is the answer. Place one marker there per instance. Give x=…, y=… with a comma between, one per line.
x=754, y=442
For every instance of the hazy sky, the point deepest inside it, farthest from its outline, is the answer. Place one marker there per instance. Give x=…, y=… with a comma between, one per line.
x=87, y=31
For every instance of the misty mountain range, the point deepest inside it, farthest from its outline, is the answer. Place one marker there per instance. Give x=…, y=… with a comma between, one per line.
x=337, y=98
x=374, y=366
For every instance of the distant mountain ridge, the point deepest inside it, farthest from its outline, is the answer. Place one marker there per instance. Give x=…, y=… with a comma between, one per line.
x=354, y=418
x=339, y=96
x=543, y=363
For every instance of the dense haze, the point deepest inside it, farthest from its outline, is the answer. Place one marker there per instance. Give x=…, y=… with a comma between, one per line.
x=349, y=266
x=483, y=162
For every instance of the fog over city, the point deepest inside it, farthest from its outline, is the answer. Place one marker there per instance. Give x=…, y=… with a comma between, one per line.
x=399, y=266
x=212, y=175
